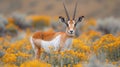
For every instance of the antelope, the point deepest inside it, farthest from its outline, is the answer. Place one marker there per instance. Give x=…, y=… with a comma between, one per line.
x=59, y=40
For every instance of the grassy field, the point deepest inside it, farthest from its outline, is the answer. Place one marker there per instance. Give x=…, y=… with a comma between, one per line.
x=92, y=47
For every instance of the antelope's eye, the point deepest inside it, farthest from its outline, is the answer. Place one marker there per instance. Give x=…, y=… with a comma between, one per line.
x=75, y=24
x=66, y=24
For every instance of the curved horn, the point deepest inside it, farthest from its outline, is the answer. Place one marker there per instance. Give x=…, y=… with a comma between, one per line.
x=74, y=13
x=66, y=11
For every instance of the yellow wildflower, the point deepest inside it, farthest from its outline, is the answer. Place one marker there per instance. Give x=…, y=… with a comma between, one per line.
x=35, y=63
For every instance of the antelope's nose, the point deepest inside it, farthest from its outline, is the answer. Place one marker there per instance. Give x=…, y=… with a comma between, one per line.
x=71, y=31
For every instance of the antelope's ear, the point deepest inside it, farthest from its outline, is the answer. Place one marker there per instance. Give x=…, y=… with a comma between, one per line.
x=80, y=19
x=61, y=19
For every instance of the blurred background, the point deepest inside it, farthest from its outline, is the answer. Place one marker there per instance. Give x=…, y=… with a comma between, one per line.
x=21, y=11
x=93, y=8
x=100, y=15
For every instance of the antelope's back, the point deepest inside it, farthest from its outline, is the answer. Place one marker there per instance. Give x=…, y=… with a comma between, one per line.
x=47, y=36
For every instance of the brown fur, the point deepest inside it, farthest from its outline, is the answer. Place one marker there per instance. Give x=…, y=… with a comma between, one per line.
x=47, y=36
x=71, y=21
x=44, y=35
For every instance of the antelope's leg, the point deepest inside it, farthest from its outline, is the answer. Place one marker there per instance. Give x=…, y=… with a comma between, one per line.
x=37, y=53
x=62, y=42
x=37, y=48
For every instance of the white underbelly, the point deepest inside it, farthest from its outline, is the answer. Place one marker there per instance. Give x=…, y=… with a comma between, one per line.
x=55, y=44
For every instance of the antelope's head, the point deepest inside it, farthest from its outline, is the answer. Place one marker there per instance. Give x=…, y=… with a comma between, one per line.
x=70, y=23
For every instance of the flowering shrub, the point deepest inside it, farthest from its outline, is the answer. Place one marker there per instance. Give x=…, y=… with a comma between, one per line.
x=16, y=52
x=39, y=21
x=35, y=63
x=11, y=29
x=109, y=45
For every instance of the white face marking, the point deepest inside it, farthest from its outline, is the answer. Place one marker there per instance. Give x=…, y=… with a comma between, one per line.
x=71, y=27
x=53, y=43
